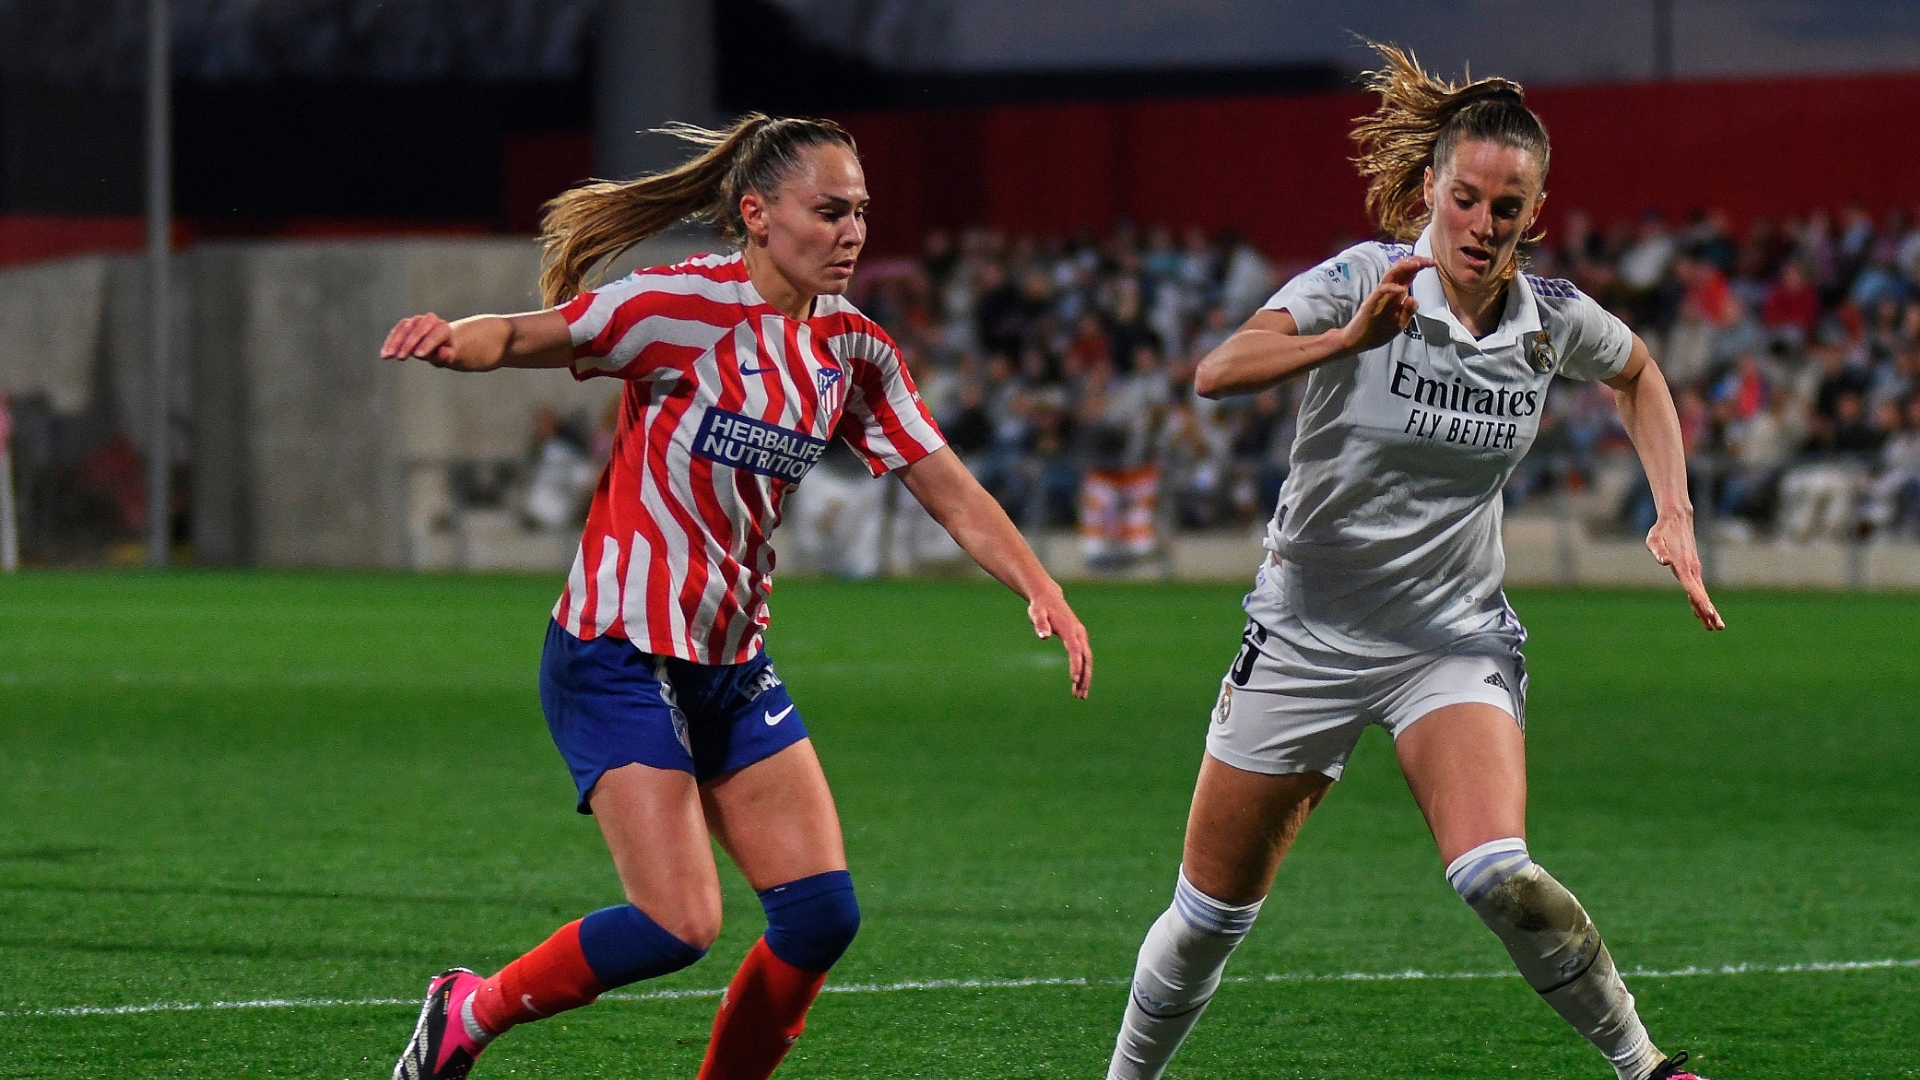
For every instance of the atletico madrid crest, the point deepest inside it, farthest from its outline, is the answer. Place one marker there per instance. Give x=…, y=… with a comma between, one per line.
x=1540, y=355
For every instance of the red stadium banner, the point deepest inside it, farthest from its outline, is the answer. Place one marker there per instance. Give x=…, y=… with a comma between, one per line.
x=1277, y=168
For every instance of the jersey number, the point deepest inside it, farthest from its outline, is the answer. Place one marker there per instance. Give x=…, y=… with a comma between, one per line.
x=1250, y=641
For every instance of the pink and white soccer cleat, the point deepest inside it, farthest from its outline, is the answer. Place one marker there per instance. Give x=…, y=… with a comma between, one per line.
x=1670, y=1069
x=441, y=1047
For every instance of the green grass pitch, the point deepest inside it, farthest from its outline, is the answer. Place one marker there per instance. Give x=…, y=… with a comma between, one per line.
x=232, y=788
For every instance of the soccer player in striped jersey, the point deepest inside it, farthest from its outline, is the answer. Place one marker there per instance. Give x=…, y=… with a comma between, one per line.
x=655, y=682
x=1427, y=363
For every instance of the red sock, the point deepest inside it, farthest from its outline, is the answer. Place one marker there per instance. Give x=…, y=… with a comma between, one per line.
x=553, y=978
x=761, y=1015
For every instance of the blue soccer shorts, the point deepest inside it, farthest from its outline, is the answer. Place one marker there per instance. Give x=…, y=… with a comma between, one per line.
x=608, y=704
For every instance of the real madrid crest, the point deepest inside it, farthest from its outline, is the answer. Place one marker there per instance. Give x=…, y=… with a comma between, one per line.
x=1225, y=705
x=1540, y=355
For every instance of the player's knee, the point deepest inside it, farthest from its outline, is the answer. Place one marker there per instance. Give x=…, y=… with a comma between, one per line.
x=1501, y=881
x=1206, y=916
x=1186, y=951
x=1542, y=924
x=701, y=932
x=694, y=918
x=623, y=945
x=811, y=921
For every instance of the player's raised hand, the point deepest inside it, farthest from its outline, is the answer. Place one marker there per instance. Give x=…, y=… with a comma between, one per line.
x=1050, y=615
x=1671, y=541
x=420, y=337
x=1387, y=309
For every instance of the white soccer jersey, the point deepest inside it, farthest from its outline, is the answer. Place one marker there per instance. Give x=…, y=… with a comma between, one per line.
x=1388, y=526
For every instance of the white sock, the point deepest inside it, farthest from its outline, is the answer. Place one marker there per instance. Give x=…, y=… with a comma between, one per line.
x=1557, y=949
x=472, y=1024
x=1179, y=969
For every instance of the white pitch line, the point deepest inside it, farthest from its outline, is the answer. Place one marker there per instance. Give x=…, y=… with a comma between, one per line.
x=982, y=984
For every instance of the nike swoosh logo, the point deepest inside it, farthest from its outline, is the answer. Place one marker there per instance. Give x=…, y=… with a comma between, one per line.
x=775, y=718
x=745, y=370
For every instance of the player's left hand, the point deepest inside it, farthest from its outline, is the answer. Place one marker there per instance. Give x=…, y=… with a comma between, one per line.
x=1671, y=541
x=1050, y=615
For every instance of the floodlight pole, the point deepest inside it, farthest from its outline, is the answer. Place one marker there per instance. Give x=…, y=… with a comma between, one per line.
x=9, y=525
x=159, y=283
x=1663, y=39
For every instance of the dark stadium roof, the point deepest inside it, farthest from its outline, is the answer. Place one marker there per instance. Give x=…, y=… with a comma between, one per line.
x=104, y=41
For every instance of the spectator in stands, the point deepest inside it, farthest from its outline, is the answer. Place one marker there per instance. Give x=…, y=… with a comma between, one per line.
x=1054, y=467
x=1850, y=430
x=1709, y=239
x=1792, y=306
x=1643, y=267
x=1196, y=461
x=939, y=384
x=1835, y=377
x=1010, y=406
x=1893, y=498
x=1906, y=253
x=1817, y=498
x=1120, y=421
x=1090, y=344
x=1878, y=283
x=939, y=257
x=1817, y=250
x=1855, y=245
x=1199, y=267
x=996, y=311
x=1762, y=446
x=1895, y=379
x=563, y=474
x=1744, y=389
x=968, y=428
x=1262, y=439
x=1708, y=309
x=1247, y=279
x=1162, y=259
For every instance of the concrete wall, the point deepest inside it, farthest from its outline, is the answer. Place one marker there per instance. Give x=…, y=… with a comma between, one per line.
x=76, y=332
x=308, y=449
x=50, y=317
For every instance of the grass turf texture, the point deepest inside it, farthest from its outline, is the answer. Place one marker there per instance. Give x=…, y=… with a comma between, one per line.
x=231, y=787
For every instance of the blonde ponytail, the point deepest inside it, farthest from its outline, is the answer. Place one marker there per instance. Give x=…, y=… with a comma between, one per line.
x=1421, y=119
x=597, y=221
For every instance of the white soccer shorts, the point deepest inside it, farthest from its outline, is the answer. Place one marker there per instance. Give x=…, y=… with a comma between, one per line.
x=1289, y=706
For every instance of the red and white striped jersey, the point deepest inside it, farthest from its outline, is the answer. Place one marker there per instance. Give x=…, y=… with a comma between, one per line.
x=728, y=403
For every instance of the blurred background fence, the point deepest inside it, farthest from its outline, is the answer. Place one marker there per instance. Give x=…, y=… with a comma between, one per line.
x=1053, y=249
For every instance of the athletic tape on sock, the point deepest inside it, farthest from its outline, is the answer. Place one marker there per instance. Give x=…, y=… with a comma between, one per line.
x=1472, y=875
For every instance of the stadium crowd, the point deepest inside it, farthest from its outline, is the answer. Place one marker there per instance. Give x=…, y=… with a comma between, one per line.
x=1061, y=369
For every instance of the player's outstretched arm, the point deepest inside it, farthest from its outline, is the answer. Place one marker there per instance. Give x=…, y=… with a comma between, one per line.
x=1269, y=349
x=537, y=339
x=982, y=529
x=1646, y=411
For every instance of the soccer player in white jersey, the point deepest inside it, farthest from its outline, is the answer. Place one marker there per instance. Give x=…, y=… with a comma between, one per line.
x=1427, y=364
x=656, y=686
